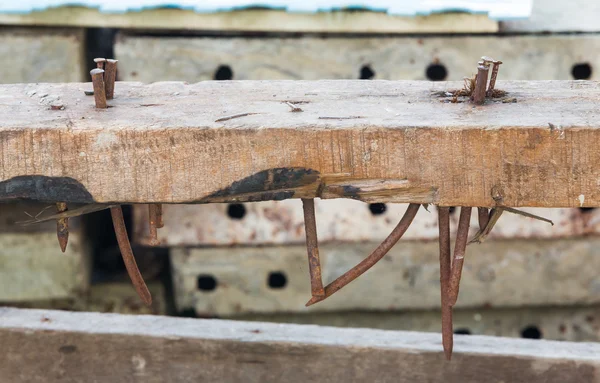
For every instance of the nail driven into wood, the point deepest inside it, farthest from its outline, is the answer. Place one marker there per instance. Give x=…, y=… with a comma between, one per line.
x=160, y=223
x=460, y=247
x=99, y=62
x=480, y=84
x=483, y=216
x=495, y=68
x=445, y=268
x=125, y=247
x=110, y=77
x=374, y=257
x=153, y=224
x=312, y=247
x=62, y=227
x=99, y=92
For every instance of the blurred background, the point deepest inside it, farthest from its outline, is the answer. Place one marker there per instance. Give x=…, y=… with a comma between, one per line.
x=248, y=261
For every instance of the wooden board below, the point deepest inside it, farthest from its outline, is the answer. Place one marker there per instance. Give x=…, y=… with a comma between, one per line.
x=50, y=346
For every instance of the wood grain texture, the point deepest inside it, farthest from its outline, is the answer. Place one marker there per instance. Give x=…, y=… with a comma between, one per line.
x=316, y=58
x=257, y=21
x=52, y=346
x=378, y=141
x=498, y=273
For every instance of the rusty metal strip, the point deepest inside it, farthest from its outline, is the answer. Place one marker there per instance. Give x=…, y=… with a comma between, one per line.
x=445, y=268
x=460, y=247
x=373, y=258
x=153, y=223
x=132, y=269
x=312, y=247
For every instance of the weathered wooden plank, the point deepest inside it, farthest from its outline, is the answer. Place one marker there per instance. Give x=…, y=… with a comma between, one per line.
x=566, y=323
x=316, y=58
x=41, y=55
x=558, y=16
x=378, y=141
x=257, y=21
x=32, y=267
x=51, y=345
x=229, y=281
x=345, y=220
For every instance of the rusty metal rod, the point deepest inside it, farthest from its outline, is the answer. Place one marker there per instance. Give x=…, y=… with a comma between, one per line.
x=62, y=227
x=160, y=223
x=98, y=82
x=445, y=267
x=312, y=246
x=99, y=62
x=110, y=77
x=153, y=223
x=134, y=273
x=495, y=68
x=373, y=258
x=480, y=84
x=460, y=247
x=483, y=215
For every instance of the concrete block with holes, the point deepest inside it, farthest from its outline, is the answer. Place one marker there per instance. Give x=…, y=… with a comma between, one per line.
x=30, y=55
x=192, y=58
x=32, y=266
x=517, y=273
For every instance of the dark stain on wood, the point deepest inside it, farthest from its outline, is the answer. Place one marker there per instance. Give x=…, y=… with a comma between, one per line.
x=44, y=189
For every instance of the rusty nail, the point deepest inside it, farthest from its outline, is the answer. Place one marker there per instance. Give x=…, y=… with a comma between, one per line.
x=459, y=253
x=495, y=68
x=125, y=247
x=62, y=227
x=312, y=246
x=110, y=77
x=98, y=82
x=373, y=258
x=99, y=62
x=483, y=215
x=153, y=223
x=480, y=84
x=160, y=223
x=445, y=267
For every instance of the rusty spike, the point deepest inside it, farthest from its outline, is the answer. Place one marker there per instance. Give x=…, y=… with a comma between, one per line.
x=480, y=84
x=459, y=253
x=153, y=224
x=98, y=82
x=110, y=77
x=134, y=273
x=312, y=246
x=483, y=215
x=160, y=223
x=495, y=68
x=62, y=227
x=445, y=267
x=373, y=258
x=99, y=62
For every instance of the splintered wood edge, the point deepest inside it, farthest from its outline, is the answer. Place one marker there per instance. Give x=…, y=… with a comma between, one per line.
x=376, y=141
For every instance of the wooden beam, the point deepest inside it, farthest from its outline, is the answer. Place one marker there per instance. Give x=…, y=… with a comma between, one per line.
x=377, y=141
x=48, y=346
x=256, y=21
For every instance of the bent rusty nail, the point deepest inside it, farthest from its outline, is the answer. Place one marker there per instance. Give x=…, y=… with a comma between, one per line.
x=62, y=227
x=98, y=82
x=100, y=62
x=153, y=224
x=312, y=246
x=445, y=268
x=110, y=77
x=132, y=269
x=373, y=258
x=459, y=253
x=482, y=234
x=526, y=214
x=480, y=84
x=160, y=223
x=483, y=215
